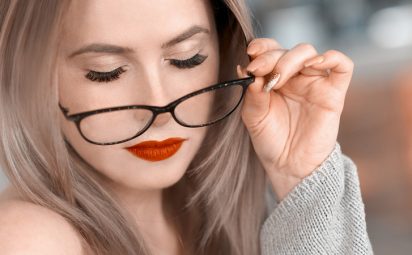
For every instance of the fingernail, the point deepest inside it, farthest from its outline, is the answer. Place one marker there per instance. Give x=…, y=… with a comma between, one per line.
x=272, y=82
x=241, y=71
x=314, y=61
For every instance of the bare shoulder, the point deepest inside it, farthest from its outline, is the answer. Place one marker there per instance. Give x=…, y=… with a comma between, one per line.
x=26, y=228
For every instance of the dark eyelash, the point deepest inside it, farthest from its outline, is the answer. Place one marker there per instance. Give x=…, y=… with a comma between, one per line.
x=105, y=76
x=189, y=63
x=115, y=74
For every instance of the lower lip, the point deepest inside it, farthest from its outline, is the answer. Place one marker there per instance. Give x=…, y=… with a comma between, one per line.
x=156, y=151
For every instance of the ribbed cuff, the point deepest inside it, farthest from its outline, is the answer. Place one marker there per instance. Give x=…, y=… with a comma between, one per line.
x=320, y=191
x=328, y=178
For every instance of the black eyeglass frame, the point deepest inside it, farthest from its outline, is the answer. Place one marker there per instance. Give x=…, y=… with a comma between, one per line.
x=156, y=110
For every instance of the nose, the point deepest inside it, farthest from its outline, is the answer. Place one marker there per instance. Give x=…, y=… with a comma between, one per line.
x=162, y=119
x=157, y=92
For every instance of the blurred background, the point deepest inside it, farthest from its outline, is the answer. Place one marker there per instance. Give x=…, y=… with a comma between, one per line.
x=377, y=35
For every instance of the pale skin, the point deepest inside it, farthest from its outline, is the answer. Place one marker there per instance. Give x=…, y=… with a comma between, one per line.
x=293, y=127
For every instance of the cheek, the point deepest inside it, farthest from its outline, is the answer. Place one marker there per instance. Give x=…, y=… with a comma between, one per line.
x=99, y=157
x=203, y=75
x=122, y=168
x=119, y=166
x=72, y=135
x=69, y=90
x=213, y=65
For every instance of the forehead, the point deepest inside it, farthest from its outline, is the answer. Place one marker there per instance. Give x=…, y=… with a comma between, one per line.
x=132, y=21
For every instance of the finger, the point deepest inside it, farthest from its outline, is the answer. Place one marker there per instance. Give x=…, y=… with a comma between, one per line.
x=314, y=72
x=241, y=73
x=337, y=62
x=256, y=102
x=292, y=63
x=260, y=45
x=340, y=66
x=265, y=63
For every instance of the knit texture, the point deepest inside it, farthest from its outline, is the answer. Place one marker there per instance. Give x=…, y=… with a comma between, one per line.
x=324, y=214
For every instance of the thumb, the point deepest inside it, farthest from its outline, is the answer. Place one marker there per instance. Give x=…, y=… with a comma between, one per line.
x=257, y=101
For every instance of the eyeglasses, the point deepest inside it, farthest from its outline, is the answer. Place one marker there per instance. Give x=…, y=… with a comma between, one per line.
x=200, y=108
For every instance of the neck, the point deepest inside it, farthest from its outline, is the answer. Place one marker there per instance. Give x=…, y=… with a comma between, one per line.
x=143, y=205
x=147, y=210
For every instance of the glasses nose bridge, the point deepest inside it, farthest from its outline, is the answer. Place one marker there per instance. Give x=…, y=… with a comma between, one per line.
x=165, y=109
x=156, y=110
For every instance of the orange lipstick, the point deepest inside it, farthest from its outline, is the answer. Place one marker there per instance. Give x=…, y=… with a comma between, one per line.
x=156, y=150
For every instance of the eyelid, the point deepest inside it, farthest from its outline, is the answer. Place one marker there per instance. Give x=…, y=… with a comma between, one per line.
x=98, y=76
x=192, y=44
x=183, y=55
x=192, y=62
x=104, y=66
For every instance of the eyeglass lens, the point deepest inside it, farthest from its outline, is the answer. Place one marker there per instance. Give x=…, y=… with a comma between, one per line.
x=202, y=109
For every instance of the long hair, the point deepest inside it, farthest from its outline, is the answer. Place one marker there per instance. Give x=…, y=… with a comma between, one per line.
x=220, y=200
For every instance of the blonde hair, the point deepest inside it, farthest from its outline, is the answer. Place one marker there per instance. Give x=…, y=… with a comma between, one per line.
x=220, y=199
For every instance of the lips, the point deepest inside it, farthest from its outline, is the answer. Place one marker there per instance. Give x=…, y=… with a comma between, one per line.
x=156, y=150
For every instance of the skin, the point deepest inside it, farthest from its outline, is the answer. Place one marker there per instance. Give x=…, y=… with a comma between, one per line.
x=293, y=127
x=150, y=79
x=27, y=228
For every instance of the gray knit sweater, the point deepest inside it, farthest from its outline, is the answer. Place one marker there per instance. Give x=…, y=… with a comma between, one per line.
x=324, y=214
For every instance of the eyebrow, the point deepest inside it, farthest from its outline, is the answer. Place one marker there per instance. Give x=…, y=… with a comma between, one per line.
x=109, y=48
x=101, y=48
x=185, y=35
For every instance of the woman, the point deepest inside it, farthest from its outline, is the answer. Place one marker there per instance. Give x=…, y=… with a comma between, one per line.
x=117, y=140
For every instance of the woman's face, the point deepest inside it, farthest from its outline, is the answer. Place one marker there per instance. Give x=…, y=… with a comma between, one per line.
x=143, y=43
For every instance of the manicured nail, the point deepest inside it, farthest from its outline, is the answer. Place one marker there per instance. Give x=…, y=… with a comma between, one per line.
x=314, y=61
x=272, y=82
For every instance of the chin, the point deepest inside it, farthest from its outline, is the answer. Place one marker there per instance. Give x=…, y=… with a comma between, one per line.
x=139, y=174
x=125, y=170
x=147, y=175
x=153, y=181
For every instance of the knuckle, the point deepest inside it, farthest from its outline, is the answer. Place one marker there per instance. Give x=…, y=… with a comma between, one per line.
x=333, y=53
x=340, y=56
x=268, y=58
x=265, y=41
x=265, y=59
x=306, y=47
x=272, y=41
x=258, y=41
x=255, y=40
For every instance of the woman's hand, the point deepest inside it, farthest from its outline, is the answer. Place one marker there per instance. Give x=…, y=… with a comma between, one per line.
x=294, y=126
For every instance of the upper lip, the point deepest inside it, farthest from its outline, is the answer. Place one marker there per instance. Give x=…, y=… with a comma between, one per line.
x=156, y=144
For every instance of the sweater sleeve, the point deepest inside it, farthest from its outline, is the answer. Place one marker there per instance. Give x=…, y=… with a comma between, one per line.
x=324, y=214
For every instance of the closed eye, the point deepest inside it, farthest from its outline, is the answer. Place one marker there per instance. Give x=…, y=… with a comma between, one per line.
x=189, y=63
x=115, y=74
x=105, y=76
